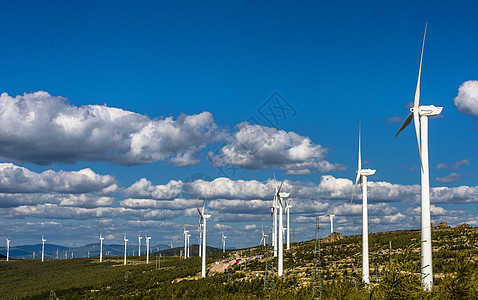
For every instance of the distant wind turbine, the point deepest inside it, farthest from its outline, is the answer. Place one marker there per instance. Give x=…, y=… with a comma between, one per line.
x=419, y=114
x=362, y=176
x=101, y=248
x=331, y=223
x=287, y=208
x=224, y=242
x=264, y=236
x=185, y=232
x=204, y=217
x=125, y=244
x=8, y=248
x=281, y=201
x=147, y=249
x=139, y=245
x=43, y=248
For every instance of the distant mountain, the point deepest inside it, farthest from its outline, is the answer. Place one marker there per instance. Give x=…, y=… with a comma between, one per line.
x=193, y=251
x=53, y=251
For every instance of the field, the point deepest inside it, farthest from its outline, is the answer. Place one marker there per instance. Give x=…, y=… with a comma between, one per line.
x=455, y=267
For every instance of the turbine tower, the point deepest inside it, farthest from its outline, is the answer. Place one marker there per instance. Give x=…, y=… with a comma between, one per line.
x=224, y=242
x=419, y=114
x=200, y=237
x=362, y=176
x=8, y=248
x=125, y=243
x=43, y=248
x=331, y=223
x=204, y=217
x=139, y=245
x=147, y=249
x=101, y=248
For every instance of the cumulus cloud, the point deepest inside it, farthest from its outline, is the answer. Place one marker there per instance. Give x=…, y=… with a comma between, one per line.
x=258, y=147
x=250, y=227
x=466, y=101
x=144, y=189
x=452, y=177
x=15, y=179
x=42, y=129
x=460, y=163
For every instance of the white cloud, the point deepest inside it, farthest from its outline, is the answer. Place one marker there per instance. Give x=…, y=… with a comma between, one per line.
x=259, y=147
x=144, y=189
x=221, y=226
x=42, y=129
x=15, y=179
x=250, y=227
x=452, y=177
x=466, y=101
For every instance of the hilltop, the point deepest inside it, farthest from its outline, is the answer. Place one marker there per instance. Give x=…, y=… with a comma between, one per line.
x=394, y=274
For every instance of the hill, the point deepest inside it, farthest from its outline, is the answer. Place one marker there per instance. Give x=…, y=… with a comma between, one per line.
x=395, y=274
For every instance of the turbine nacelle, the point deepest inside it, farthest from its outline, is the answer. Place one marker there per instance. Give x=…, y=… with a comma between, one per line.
x=428, y=110
x=367, y=172
x=283, y=195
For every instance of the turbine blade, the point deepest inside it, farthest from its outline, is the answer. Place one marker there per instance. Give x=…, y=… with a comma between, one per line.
x=416, y=102
x=355, y=186
x=280, y=188
x=359, y=154
x=405, y=123
x=202, y=217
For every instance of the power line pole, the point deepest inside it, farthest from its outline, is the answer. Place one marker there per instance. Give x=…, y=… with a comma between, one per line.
x=317, y=279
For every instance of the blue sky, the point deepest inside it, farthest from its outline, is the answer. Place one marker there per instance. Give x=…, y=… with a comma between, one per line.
x=186, y=75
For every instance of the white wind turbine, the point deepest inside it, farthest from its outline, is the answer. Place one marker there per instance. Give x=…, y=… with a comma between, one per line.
x=274, y=218
x=419, y=114
x=280, y=197
x=204, y=217
x=147, y=249
x=188, y=244
x=185, y=232
x=287, y=208
x=264, y=236
x=362, y=176
x=125, y=243
x=139, y=245
x=331, y=223
x=8, y=248
x=101, y=248
x=43, y=248
x=224, y=242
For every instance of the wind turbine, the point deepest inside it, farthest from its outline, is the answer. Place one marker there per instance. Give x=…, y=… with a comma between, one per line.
x=43, y=248
x=188, y=244
x=419, y=114
x=331, y=223
x=287, y=208
x=147, y=249
x=204, y=217
x=224, y=242
x=125, y=243
x=274, y=218
x=362, y=176
x=139, y=245
x=185, y=232
x=263, y=238
x=281, y=196
x=101, y=248
x=8, y=248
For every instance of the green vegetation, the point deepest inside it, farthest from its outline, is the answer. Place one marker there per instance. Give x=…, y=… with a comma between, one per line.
x=455, y=266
